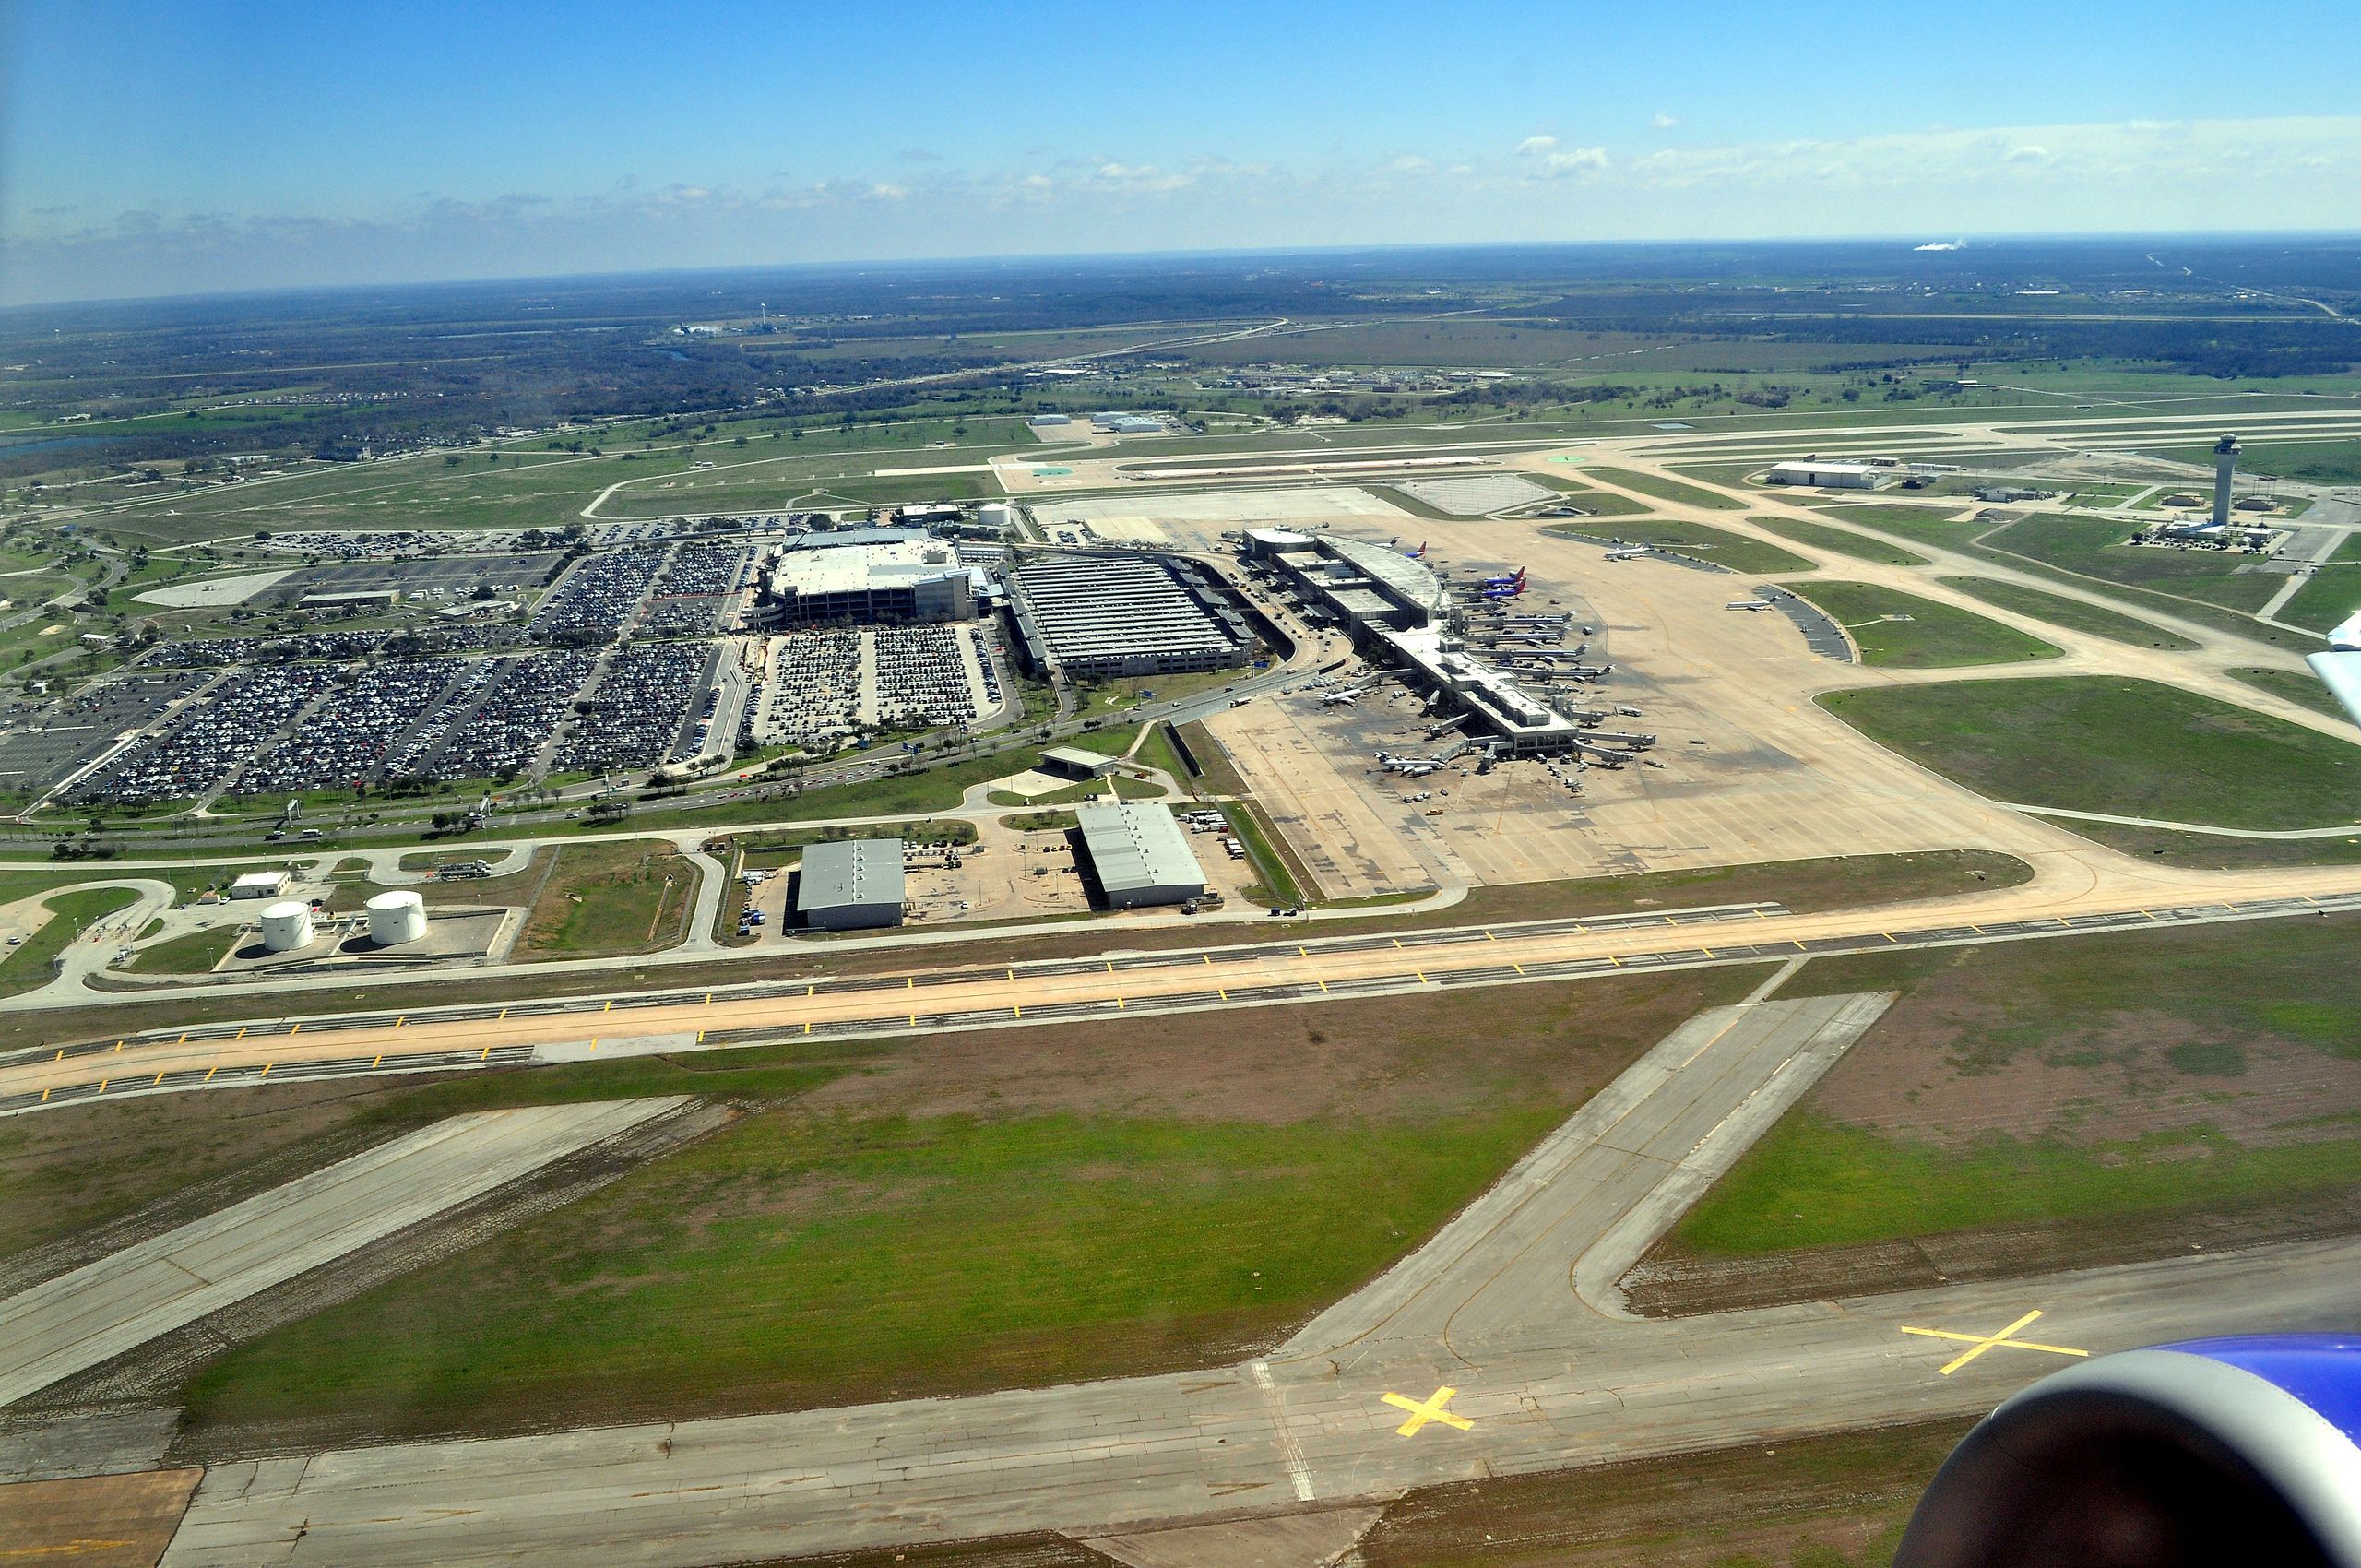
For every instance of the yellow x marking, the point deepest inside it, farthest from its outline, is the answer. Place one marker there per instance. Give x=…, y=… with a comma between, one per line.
x=1978, y=1343
x=1429, y=1409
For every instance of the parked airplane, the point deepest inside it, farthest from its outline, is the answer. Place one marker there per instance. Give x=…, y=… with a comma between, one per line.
x=1627, y=552
x=1748, y=604
x=2341, y=665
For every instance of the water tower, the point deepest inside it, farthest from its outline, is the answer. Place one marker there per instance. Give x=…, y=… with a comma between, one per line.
x=2226, y=463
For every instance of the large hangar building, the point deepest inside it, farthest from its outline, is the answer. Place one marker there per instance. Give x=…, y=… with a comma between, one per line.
x=850, y=884
x=1140, y=855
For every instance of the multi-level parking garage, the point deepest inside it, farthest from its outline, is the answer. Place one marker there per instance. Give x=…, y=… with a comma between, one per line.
x=1102, y=617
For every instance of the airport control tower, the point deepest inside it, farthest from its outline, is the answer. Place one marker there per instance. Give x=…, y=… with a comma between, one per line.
x=2226, y=463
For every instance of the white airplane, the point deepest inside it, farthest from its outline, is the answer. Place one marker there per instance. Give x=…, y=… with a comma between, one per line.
x=1340, y=699
x=2340, y=667
x=1627, y=553
x=1748, y=604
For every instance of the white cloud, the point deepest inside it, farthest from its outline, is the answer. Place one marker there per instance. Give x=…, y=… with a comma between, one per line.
x=2029, y=154
x=1534, y=147
x=1941, y=245
x=1580, y=160
x=1663, y=121
x=1411, y=163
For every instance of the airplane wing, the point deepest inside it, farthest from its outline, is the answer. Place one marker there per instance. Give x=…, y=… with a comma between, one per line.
x=2340, y=667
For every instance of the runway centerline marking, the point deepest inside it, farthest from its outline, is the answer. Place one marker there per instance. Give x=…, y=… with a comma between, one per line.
x=1428, y=1410
x=1979, y=1343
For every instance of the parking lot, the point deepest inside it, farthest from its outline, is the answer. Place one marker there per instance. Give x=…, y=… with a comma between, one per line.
x=40, y=748
x=599, y=597
x=641, y=709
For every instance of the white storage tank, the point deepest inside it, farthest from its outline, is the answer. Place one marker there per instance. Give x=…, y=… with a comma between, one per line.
x=395, y=918
x=286, y=926
x=996, y=516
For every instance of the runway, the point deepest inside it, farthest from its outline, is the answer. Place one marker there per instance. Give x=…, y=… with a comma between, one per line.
x=1474, y=1357
x=80, y=1319
x=2071, y=895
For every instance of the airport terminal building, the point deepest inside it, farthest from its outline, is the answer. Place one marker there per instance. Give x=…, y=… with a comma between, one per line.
x=1398, y=605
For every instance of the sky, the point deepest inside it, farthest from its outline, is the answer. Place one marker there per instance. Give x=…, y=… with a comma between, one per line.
x=194, y=147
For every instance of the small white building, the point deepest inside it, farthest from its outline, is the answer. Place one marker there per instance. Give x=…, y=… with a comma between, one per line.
x=258, y=884
x=1140, y=854
x=1824, y=476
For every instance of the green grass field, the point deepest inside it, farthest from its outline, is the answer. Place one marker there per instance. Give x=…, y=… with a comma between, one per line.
x=631, y=895
x=2191, y=1017
x=2295, y=686
x=2072, y=614
x=2092, y=547
x=849, y=1247
x=192, y=954
x=1667, y=489
x=1734, y=551
x=2331, y=598
x=1843, y=541
x=2130, y=748
x=27, y=966
x=1933, y=636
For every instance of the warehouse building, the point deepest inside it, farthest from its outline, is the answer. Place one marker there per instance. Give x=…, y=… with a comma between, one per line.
x=865, y=577
x=1140, y=855
x=1104, y=617
x=1824, y=476
x=854, y=884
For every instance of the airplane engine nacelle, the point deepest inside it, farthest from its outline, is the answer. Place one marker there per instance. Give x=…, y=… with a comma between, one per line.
x=2211, y=1451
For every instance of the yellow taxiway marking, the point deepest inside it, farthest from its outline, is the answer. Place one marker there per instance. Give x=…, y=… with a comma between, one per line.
x=913, y=979
x=1518, y=968
x=400, y=1021
x=914, y=1019
x=266, y=1071
x=61, y=1054
x=374, y=1060
x=504, y=1013
x=209, y=1072
x=296, y=1030
x=1110, y=966
x=1979, y=1343
x=486, y=1053
x=1489, y=937
x=1207, y=957
x=44, y=1097
x=709, y=999
x=183, y=1039
x=1017, y=1008
x=1890, y=937
x=1302, y=952
x=807, y=1028
x=1323, y=985
x=1012, y=974
x=610, y=1006
x=105, y=1082
x=700, y=1036
x=157, y=1079
x=240, y=1034
x=1428, y=1410
x=1220, y=992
